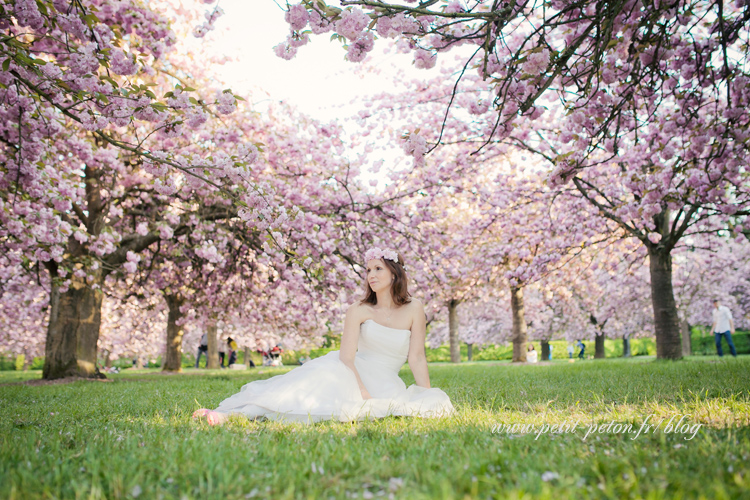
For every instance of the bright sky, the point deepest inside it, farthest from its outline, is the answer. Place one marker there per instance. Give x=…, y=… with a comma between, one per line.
x=319, y=81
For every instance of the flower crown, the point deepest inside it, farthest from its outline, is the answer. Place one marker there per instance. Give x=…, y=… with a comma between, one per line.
x=381, y=253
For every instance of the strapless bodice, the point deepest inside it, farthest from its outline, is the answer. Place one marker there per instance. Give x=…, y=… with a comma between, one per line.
x=383, y=345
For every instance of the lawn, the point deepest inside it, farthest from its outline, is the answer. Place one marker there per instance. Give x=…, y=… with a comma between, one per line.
x=132, y=437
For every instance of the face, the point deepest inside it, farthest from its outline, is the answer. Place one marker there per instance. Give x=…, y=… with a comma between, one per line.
x=378, y=275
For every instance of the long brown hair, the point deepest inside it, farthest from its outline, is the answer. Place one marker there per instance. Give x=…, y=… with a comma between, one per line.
x=399, y=287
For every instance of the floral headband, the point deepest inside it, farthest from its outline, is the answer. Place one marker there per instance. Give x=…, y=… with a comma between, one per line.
x=381, y=253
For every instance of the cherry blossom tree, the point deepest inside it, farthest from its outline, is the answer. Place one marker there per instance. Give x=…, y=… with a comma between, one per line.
x=86, y=144
x=645, y=102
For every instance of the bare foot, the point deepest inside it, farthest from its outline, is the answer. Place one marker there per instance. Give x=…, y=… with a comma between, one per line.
x=215, y=418
x=201, y=413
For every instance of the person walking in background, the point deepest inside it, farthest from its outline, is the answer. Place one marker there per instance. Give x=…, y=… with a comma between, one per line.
x=202, y=349
x=222, y=355
x=723, y=326
x=232, y=346
x=582, y=347
x=571, y=349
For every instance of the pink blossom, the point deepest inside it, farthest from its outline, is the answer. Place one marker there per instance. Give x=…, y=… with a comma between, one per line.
x=424, y=59
x=352, y=23
x=318, y=24
x=358, y=50
x=27, y=13
x=297, y=17
x=226, y=103
x=285, y=51
x=196, y=118
x=453, y=7
x=378, y=253
x=123, y=63
x=536, y=63
x=299, y=40
x=165, y=232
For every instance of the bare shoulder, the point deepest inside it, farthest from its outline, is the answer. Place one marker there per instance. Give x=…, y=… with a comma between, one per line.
x=415, y=302
x=358, y=311
x=416, y=307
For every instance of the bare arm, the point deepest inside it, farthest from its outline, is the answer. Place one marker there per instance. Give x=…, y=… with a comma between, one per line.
x=417, y=358
x=349, y=341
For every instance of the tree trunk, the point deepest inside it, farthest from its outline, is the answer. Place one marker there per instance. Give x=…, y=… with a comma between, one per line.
x=519, y=324
x=107, y=359
x=545, y=350
x=246, y=357
x=666, y=322
x=173, y=353
x=73, y=331
x=453, y=331
x=626, y=347
x=212, y=362
x=599, y=346
x=468, y=351
x=687, y=348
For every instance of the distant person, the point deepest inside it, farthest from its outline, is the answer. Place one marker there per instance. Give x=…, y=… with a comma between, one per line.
x=550, y=352
x=571, y=349
x=723, y=325
x=582, y=347
x=232, y=346
x=222, y=355
x=202, y=349
x=531, y=354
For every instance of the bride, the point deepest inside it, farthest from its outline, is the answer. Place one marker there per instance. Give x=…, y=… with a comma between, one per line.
x=381, y=332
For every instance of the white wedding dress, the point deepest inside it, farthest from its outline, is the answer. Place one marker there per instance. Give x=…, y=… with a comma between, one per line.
x=326, y=389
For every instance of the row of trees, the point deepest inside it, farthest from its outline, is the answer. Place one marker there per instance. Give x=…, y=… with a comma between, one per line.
x=189, y=211
x=639, y=107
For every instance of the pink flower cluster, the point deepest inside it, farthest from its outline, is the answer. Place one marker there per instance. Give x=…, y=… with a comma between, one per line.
x=360, y=47
x=397, y=25
x=208, y=25
x=297, y=17
x=352, y=23
x=424, y=59
x=381, y=253
x=536, y=62
x=415, y=145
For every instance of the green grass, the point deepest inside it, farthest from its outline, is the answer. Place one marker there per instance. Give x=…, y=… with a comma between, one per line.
x=132, y=437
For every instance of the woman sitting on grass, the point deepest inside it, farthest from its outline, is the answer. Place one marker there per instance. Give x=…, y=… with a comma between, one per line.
x=381, y=332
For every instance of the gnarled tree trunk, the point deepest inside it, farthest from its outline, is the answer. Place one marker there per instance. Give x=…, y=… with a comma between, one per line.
x=73, y=331
x=545, y=350
x=212, y=362
x=453, y=331
x=599, y=346
x=599, y=337
x=666, y=322
x=687, y=348
x=519, y=324
x=173, y=354
x=469, y=354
